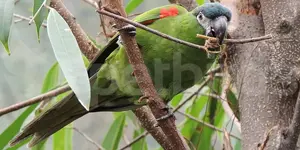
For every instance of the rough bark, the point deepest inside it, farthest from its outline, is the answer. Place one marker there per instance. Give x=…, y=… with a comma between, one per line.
x=263, y=71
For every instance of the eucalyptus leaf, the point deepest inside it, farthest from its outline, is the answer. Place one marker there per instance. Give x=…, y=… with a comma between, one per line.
x=141, y=144
x=62, y=139
x=69, y=57
x=194, y=110
x=40, y=12
x=6, y=15
x=115, y=132
x=132, y=4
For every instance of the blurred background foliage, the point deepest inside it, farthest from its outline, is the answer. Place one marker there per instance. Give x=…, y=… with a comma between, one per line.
x=31, y=70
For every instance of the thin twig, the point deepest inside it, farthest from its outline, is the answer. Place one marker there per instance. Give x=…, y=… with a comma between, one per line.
x=226, y=141
x=103, y=24
x=238, y=41
x=34, y=100
x=104, y=12
x=37, y=12
x=135, y=140
x=18, y=20
x=125, y=138
x=262, y=146
x=27, y=19
x=194, y=94
x=214, y=71
x=206, y=124
x=88, y=138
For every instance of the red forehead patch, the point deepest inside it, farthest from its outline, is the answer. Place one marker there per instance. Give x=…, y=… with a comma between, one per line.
x=172, y=11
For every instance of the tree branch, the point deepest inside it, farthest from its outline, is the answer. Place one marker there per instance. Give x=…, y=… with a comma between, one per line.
x=34, y=100
x=143, y=135
x=85, y=45
x=99, y=147
x=148, y=121
x=26, y=18
x=238, y=41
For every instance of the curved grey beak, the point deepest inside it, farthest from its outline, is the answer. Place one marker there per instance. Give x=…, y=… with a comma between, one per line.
x=218, y=28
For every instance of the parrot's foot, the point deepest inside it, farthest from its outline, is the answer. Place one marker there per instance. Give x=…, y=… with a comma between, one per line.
x=130, y=29
x=212, y=43
x=142, y=98
x=170, y=113
x=132, y=74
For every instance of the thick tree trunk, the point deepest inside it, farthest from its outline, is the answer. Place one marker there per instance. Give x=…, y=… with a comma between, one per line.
x=262, y=71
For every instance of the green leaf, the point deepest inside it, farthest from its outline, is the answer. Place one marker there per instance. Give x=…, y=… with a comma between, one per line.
x=132, y=4
x=114, y=134
x=200, y=2
x=133, y=119
x=194, y=110
x=238, y=145
x=176, y=100
x=51, y=79
x=216, y=86
x=40, y=146
x=201, y=139
x=69, y=57
x=15, y=127
x=233, y=102
x=40, y=16
x=141, y=144
x=62, y=140
x=6, y=15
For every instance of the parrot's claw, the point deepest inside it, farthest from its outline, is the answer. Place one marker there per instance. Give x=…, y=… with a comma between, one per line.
x=170, y=113
x=130, y=29
x=142, y=98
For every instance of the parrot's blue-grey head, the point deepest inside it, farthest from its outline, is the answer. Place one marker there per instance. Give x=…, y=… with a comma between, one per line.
x=214, y=18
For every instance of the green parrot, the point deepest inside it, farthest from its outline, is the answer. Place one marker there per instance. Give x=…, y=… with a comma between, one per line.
x=173, y=67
